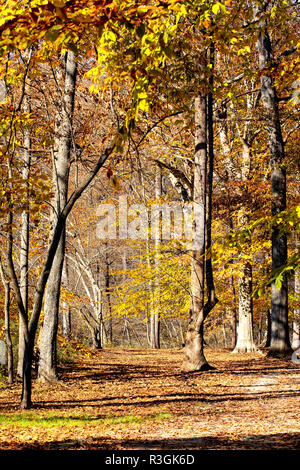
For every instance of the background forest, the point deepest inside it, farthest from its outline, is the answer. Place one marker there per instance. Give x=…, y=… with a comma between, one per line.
x=159, y=102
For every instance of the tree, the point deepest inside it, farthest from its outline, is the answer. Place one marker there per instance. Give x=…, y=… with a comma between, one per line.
x=9, y=347
x=61, y=167
x=201, y=270
x=155, y=315
x=25, y=238
x=280, y=343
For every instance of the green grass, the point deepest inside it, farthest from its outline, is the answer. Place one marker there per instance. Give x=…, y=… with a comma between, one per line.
x=31, y=419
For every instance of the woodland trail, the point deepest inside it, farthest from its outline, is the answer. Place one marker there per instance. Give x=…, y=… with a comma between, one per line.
x=138, y=399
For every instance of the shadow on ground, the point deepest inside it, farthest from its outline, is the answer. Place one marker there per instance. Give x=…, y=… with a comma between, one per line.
x=258, y=442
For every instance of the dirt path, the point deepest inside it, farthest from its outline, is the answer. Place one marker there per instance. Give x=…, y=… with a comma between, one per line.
x=138, y=399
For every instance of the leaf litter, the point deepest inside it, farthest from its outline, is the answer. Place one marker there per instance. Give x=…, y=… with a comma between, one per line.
x=139, y=399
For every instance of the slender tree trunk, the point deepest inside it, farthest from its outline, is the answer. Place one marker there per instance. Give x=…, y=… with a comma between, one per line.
x=266, y=342
x=9, y=346
x=93, y=291
x=155, y=314
x=296, y=322
x=31, y=328
x=108, y=299
x=280, y=343
x=24, y=245
x=98, y=343
x=66, y=311
x=28, y=343
x=234, y=315
x=10, y=357
x=47, y=362
x=126, y=322
x=260, y=328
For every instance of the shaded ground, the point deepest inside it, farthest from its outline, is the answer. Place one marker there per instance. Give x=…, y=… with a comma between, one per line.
x=138, y=399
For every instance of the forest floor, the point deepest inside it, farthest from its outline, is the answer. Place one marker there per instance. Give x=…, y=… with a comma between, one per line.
x=138, y=399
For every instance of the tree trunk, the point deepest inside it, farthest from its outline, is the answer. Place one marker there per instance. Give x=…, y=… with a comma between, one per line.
x=245, y=342
x=155, y=314
x=66, y=311
x=194, y=355
x=108, y=299
x=201, y=265
x=47, y=362
x=94, y=293
x=10, y=357
x=28, y=343
x=24, y=245
x=31, y=328
x=267, y=336
x=234, y=316
x=47, y=371
x=126, y=322
x=99, y=340
x=296, y=322
x=280, y=343
x=9, y=347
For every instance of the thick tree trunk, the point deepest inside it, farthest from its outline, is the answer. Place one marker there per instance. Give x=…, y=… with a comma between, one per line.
x=194, y=355
x=47, y=362
x=201, y=265
x=245, y=341
x=47, y=370
x=280, y=343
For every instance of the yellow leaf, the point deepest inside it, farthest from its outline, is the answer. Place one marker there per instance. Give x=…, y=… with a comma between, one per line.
x=216, y=8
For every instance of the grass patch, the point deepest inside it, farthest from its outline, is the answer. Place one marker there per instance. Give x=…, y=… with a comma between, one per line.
x=31, y=419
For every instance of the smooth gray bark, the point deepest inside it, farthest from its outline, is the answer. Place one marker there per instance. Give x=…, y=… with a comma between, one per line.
x=155, y=314
x=108, y=299
x=9, y=346
x=24, y=245
x=66, y=311
x=245, y=341
x=63, y=143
